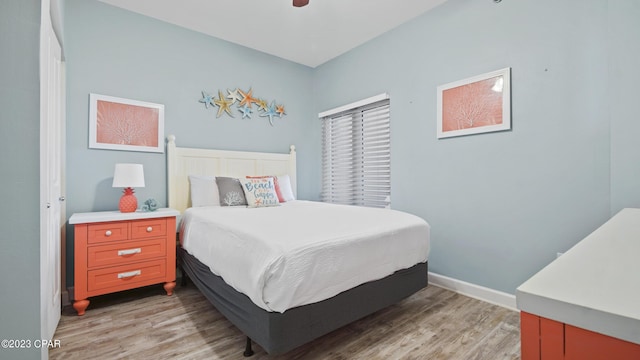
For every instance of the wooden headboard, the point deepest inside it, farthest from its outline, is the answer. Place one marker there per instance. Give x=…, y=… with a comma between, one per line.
x=182, y=162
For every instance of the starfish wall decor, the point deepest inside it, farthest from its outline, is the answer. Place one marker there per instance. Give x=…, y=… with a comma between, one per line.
x=244, y=102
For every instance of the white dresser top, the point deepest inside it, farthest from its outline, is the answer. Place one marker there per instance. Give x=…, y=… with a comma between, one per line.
x=596, y=284
x=103, y=216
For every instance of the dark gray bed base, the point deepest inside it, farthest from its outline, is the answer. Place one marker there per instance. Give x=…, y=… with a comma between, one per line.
x=278, y=333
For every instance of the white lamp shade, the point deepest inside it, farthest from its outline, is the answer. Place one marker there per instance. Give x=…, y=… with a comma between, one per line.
x=128, y=175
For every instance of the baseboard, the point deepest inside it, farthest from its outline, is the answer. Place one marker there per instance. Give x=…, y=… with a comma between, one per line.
x=65, y=298
x=474, y=291
x=71, y=293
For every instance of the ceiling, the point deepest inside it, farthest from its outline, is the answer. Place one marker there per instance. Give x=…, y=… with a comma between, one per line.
x=309, y=35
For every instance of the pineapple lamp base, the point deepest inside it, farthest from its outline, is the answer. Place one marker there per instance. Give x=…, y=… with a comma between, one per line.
x=128, y=201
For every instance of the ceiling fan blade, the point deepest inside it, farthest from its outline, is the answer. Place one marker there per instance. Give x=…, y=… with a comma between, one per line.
x=300, y=3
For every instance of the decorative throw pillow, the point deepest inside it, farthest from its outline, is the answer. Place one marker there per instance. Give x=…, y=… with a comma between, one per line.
x=204, y=191
x=260, y=192
x=230, y=190
x=284, y=182
x=275, y=183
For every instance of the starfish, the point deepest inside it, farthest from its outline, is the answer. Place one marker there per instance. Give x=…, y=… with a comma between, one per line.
x=271, y=112
x=262, y=104
x=233, y=95
x=223, y=104
x=247, y=98
x=280, y=110
x=246, y=111
x=206, y=99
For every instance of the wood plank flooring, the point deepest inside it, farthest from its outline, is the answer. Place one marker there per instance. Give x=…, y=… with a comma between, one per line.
x=146, y=324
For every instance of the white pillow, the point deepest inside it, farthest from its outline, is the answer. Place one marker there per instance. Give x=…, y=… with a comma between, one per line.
x=285, y=188
x=204, y=191
x=260, y=192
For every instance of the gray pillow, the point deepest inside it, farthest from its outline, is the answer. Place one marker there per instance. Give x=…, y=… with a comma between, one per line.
x=231, y=193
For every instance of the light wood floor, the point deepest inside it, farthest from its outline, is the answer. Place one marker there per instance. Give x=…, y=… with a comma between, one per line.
x=145, y=324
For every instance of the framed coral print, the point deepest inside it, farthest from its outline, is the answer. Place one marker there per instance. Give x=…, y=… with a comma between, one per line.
x=123, y=124
x=475, y=105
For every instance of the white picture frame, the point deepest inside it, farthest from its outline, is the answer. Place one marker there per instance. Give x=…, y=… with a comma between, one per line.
x=475, y=105
x=123, y=124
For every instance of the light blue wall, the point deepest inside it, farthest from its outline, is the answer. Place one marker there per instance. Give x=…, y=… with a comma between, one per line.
x=624, y=94
x=20, y=174
x=500, y=204
x=114, y=52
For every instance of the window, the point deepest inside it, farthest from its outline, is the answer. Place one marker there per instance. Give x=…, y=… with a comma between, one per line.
x=356, y=153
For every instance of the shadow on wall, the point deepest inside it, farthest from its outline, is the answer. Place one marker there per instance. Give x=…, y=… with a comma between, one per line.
x=106, y=196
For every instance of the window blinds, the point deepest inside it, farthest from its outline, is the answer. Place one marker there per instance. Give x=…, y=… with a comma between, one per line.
x=356, y=156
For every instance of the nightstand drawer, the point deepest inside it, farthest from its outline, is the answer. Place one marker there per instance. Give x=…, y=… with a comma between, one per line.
x=126, y=276
x=122, y=253
x=108, y=231
x=148, y=228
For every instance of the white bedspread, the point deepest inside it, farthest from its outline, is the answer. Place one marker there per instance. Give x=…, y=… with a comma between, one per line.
x=302, y=252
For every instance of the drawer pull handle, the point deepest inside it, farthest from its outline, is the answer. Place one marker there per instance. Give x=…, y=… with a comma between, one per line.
x=149, y=229
x=129, y=274
x=129, y=252
x=107, y=233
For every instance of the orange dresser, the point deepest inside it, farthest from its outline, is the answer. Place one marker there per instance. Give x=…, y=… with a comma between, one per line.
x=119, y=251
x=585, y=305
x=546, y=339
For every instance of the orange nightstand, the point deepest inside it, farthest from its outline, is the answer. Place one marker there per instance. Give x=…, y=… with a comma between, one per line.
x=117, y=251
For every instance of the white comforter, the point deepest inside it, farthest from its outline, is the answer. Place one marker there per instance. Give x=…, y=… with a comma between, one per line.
x=302, y=252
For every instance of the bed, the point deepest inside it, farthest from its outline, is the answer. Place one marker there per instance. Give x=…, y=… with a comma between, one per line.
x=279, y=287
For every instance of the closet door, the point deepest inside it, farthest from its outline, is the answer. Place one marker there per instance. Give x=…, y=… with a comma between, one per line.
x=51, y=175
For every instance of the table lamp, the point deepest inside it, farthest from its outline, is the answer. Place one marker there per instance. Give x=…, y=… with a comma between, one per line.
x=128, y=176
